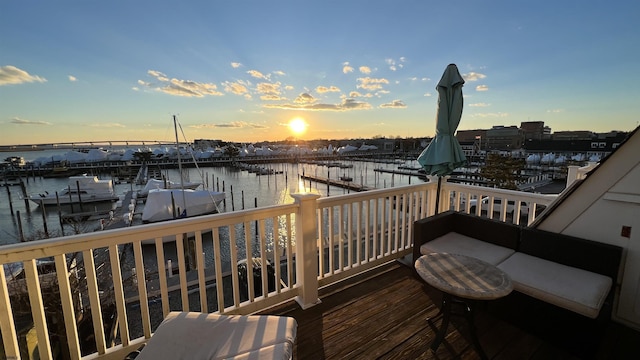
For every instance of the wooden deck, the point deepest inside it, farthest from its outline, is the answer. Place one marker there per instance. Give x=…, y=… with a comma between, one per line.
x=383, y=315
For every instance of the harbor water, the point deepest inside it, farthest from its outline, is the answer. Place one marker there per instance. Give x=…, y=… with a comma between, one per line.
x=243, y=190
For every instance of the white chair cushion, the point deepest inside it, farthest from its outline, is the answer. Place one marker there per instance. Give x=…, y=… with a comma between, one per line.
x=571, y=288
x=454, y=243
x=191, y=335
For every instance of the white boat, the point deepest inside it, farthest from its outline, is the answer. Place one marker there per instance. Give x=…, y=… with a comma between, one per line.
x=166, y=184
x=169, y=204
x=82, y=188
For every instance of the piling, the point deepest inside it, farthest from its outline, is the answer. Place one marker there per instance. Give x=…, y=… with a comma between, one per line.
x=232, y=202
x=44, y=220
x=10, y=200
x=20, y=232
x=24, y=194
x=79, y=198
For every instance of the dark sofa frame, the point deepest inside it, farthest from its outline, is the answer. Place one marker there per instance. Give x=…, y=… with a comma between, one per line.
x=563, y=249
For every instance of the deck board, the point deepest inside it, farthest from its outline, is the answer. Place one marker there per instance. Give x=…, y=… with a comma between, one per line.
x=383, y=315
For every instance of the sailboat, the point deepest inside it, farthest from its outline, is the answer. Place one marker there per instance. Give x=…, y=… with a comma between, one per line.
x=169, y=204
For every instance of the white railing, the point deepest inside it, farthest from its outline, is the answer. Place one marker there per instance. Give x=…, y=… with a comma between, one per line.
x=579, y=172
x=193, y=265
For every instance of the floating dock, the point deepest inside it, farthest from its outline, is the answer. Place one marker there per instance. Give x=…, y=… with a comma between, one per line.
x=337, y=183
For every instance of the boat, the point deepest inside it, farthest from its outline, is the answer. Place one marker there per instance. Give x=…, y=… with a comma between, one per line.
x=166, y=184
x=169, y=204
x=81, y=189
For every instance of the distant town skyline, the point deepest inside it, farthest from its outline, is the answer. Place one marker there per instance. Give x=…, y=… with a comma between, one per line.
x=250, y=71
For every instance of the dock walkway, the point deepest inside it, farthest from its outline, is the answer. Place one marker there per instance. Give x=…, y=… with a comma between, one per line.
x=337, y=183
x=118, y=220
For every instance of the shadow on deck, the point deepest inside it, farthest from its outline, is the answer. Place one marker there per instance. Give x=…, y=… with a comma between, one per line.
x=383, y=315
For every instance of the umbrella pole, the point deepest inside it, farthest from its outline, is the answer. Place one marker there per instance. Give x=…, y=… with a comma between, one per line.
x=438, y=194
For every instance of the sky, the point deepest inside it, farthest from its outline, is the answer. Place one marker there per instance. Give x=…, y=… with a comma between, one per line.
x=243, y=70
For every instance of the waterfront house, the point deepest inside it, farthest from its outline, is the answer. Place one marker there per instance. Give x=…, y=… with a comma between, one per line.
x=339, y=273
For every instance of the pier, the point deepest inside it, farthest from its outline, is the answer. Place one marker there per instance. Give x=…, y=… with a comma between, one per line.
x=337, y=183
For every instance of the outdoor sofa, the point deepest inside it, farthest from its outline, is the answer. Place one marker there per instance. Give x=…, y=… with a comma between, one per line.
x=575, y=274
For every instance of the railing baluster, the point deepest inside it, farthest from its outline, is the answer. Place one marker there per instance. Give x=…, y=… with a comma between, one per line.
x=37, y=308
x=249, y=258
x=320, y=243
x=7, y=325
x=202, y=280
x=121, y=307
x=217, y=263
x=182, y=270
x=349, y=235
x=68, y=310
x=340, y=239
x=263, y=258
x=234, y=266
x=368, y=236
x=330, y=246
x=162, y=277
x=275, y=231
x=376, y=230
x=94, y=300
x=141, y=279
x=290, y=249
x=359, y=210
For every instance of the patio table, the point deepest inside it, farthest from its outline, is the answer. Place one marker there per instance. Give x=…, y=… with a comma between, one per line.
x=463, y=280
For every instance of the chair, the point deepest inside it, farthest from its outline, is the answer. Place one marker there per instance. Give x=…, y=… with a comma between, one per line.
x=193, y=335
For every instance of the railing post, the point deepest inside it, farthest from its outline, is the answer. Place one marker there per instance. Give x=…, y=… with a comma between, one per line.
x=306, y=249
x=572, y=174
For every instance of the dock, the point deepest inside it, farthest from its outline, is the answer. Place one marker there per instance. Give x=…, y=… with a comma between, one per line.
x=118, y=220
x=350, y=185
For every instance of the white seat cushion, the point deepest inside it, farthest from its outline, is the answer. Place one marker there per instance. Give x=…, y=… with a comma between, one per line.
x=191, y=335
x=571, y=288
x=454, y=243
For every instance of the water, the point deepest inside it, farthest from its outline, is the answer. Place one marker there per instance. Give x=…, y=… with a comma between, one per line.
x=249, y=190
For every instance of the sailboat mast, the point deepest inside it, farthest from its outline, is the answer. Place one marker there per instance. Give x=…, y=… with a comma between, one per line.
x=184, y=197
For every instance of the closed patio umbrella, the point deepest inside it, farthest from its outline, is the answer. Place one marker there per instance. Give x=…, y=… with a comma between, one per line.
x=444, y=153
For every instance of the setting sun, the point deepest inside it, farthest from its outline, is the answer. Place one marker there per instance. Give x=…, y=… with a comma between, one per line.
x=298, y=126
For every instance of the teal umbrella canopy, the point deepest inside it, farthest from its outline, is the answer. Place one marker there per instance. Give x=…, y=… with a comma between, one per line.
x=444, y=153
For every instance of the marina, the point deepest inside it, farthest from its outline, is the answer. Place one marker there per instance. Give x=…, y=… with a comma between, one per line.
x=242, y=189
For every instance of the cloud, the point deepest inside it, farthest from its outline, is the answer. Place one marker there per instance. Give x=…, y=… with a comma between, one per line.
x=231, y=125
x=473, y=76
x=270, y=91
x=279, y=73
x=482, y=88
x=346, y=68
x=480, y=105
x=257, y=74
x=305, y=98
x=237, y=88
x=324, y=89
x=365, y=70
x=427, y=94
x=11, y=75
x=179, y=87
x=371, y=83
x=395, y=65
x=491, y=115
x=555, y=111
x=107, y=125
x=235, y=65
x=72, y=78
x=345, y=105
x=395, y=104
x=19, y=121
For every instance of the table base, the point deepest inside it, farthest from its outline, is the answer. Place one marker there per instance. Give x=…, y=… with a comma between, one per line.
x=468, y=312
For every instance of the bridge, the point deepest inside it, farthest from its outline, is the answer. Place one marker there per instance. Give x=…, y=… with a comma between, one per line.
x=84, y=144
